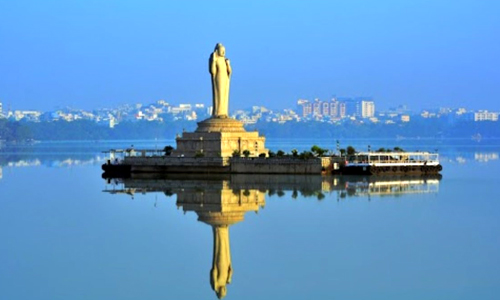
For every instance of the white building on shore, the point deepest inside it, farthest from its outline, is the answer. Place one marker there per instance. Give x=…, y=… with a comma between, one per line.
x=367, y=109
x=484, y=115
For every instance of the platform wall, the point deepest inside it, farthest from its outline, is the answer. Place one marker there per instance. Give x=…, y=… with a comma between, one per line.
x=275, y=166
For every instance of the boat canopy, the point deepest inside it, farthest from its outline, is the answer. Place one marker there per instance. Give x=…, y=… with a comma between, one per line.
x=394, y=157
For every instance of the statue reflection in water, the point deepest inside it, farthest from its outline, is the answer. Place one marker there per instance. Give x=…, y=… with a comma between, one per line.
x=219, y=201
x=220, y=205
x=222, y=270
x=222, y=200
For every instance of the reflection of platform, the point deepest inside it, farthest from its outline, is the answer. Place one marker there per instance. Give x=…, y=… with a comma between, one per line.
x=222, y=200
x=354, y=185
x=223, y=206
x=181, y=182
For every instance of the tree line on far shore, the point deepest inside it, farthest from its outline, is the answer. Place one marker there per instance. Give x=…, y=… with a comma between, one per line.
x=88, y=130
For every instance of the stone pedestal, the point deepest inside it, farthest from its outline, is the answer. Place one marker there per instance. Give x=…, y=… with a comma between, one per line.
x=219, y=137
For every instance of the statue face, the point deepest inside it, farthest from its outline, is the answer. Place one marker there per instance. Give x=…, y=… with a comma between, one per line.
x=221, y=51
x=221, y=293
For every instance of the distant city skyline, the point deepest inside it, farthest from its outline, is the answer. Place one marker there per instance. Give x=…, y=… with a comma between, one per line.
x=334, y=111
x=90, y=54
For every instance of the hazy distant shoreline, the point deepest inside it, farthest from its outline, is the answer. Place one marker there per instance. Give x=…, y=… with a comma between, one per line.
x=90, y=131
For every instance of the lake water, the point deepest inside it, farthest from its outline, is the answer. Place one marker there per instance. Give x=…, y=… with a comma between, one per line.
x=66, y=233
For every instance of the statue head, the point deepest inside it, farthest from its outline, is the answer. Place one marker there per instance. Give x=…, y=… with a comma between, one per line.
x=221, y=293
x=220, y=49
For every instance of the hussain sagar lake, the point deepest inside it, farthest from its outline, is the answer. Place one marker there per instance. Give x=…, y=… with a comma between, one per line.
x=67, y=233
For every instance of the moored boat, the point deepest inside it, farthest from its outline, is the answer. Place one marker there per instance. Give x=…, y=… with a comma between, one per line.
x=382, y=163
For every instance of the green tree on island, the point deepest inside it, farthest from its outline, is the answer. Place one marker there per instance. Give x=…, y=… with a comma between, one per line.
x=351, y=150
x=318, y=150
x=306, y=155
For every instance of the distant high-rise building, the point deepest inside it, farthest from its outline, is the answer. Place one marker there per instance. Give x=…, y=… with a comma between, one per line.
x=367, y=109
x=342, y=110
x=484, y=115
x=317, y=107
x=334, y=108
x=325, y=109
x=0, y=108
x=337, y=109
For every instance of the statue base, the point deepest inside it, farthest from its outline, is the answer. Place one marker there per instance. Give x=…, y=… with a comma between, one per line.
x=220, y=125
x=220, y=137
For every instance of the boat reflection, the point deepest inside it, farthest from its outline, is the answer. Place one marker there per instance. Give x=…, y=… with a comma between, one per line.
x=222, y=200
x=385, y=186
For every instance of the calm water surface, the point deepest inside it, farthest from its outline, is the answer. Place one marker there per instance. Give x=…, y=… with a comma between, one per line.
x=66, y=233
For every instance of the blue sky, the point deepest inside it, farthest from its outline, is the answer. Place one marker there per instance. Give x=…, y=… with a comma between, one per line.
x=90, y=53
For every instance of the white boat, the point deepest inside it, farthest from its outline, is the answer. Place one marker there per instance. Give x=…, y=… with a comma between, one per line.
x=391, y=163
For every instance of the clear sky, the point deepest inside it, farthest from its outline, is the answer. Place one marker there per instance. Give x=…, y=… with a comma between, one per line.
x=97, y=53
